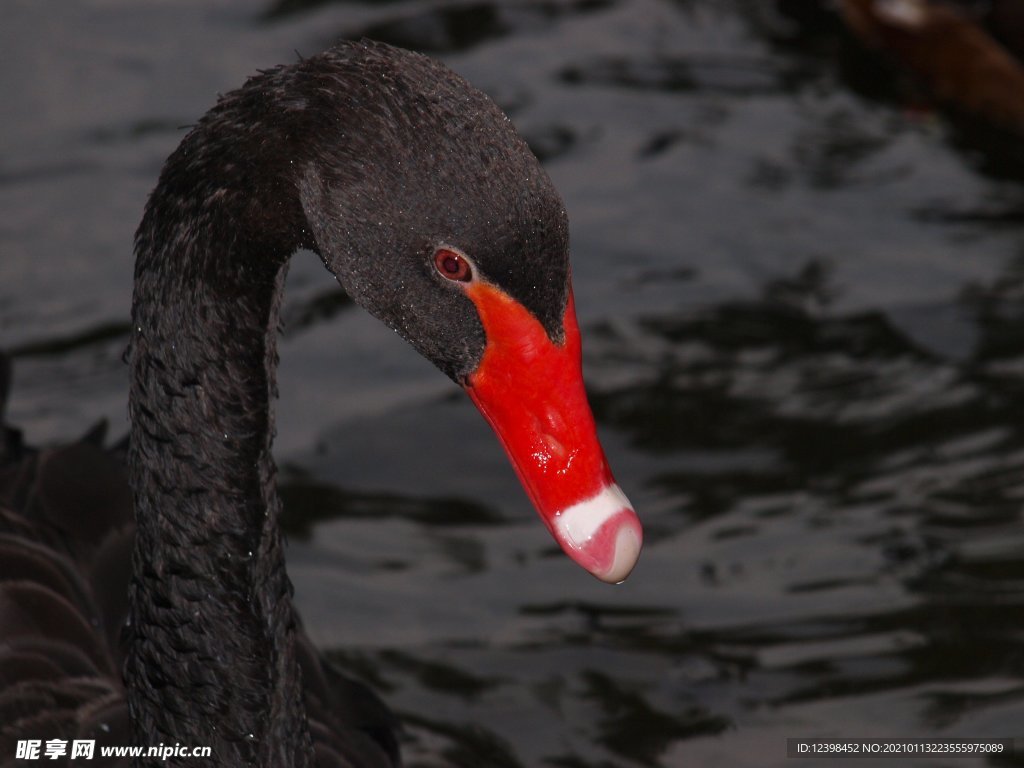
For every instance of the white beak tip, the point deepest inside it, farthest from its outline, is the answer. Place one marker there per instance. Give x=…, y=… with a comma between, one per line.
x=626, y=553
x=602, y=534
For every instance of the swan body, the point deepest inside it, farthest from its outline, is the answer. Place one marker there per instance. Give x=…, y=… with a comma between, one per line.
x=163, y=614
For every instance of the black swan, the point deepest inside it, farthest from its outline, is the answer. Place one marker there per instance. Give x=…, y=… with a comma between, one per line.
x=432, y=213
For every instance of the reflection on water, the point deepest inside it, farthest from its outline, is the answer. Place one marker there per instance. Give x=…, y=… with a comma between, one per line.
x=852, y=505
x=803, y=303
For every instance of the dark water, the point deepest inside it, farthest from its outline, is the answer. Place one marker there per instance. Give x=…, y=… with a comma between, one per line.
x=803, y=309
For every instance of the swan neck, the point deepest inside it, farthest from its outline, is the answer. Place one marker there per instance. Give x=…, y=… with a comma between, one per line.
x=211, y=657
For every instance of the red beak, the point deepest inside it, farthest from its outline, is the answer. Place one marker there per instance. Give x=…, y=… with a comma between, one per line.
x=531, y=392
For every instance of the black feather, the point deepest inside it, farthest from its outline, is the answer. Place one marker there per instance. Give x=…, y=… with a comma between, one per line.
x=372, y=157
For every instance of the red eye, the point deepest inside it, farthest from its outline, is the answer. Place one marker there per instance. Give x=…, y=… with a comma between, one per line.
x=452, y=265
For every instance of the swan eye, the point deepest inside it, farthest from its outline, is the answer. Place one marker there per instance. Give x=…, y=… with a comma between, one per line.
x=452, y=265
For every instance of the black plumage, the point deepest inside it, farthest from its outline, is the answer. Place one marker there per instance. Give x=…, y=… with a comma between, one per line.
x=372, y=157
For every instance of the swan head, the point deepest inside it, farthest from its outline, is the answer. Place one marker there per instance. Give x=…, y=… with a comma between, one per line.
x=437, y=218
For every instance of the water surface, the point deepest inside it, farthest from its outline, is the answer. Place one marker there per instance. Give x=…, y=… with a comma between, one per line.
x=802, y=305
